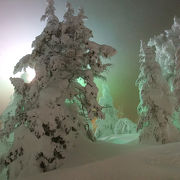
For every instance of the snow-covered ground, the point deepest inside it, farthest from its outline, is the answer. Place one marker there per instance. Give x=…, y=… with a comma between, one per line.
x=109, y=161
x=120, y=139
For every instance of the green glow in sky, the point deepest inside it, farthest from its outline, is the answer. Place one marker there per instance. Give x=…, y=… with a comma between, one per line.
x=123, y=29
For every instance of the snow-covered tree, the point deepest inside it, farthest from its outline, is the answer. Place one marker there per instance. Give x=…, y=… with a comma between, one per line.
x=167, y=54
x=125, y=126
x=55, y=108
x=156, y=101
x=167, y=45
x=112, y=124
x=106, y=127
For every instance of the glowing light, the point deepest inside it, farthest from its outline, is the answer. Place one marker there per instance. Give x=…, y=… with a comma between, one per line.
x=9, y=57
x=81, y=81
x=94, y=125
x=30, y=74
x=68, y=101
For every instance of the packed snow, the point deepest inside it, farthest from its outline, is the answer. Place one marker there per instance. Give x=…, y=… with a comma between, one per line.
x=108, y=161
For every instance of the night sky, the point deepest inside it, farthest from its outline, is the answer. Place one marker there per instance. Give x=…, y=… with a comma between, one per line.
x=119, y=23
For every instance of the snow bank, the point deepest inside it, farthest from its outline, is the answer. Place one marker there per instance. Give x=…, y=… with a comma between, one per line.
x=106, y=161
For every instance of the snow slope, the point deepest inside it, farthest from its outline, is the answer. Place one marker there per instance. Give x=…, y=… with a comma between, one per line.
x=107, y=161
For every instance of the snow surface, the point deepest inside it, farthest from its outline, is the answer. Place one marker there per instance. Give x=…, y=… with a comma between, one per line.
x=109, y=161
x=120, y=139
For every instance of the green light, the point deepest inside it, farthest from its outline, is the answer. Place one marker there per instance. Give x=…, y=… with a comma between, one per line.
x=144, y=109
x=146, y=124
x=68, y=101
x=176, y=121
x=81, y=81
x=120, y=139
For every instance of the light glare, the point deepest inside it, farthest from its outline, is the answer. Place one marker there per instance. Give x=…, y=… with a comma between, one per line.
x=30, y=74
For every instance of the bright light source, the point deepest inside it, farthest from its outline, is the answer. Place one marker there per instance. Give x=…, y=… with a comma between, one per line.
x=9, y=57
x=27, y=75
x=8, y=60
x=30, y=74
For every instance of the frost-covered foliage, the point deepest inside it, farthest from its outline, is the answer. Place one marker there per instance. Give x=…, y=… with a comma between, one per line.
x=54, y=109
x=167, y=55
x=167, y=47
x=156, y=101
x=111, y=124
x=125, y=126
x=106, y=126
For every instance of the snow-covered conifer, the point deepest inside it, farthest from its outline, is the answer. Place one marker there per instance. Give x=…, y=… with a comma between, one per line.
x=112, y=124
x=106, y=127
x=173, y=35
x=167, y=54
x=156, y=101
x=55, y=108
